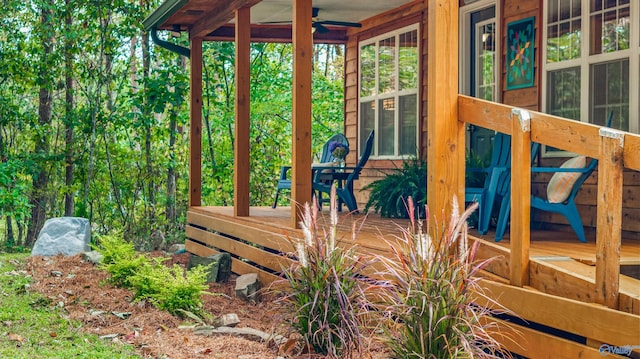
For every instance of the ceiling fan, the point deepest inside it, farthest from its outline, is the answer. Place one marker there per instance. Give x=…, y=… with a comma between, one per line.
x=318, y=25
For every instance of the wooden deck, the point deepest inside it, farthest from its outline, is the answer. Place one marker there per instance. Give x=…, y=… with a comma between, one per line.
x=559, y=295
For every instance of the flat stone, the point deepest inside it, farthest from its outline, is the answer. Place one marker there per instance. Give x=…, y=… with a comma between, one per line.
x=229, y=320
x=247, y=286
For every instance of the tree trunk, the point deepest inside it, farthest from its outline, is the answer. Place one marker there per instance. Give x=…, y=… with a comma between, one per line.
x=38, y=200
x=171, y=212
x=69, y=117
x=146, y=64
x=11, y=241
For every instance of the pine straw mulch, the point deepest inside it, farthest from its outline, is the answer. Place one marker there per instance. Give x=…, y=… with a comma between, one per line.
x=102, y=309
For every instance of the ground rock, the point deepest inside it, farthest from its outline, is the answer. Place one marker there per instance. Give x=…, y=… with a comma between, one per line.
x=229, y=320
x=247, y=286
x=177, y=248
x=94, y=257
x=63, y=235
x=220, y=270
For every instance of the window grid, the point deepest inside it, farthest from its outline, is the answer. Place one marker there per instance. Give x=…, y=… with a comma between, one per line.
x=612, y=63
x=391, y=108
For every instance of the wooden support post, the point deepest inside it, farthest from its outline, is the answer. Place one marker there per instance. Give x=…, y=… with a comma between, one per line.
x=195, y=127
x=520, y=197
x=242, y=111
x=445, y=137
x=301, y=128
x=609, y=217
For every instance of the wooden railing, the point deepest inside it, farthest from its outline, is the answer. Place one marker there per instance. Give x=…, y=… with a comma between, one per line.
x=615, y=151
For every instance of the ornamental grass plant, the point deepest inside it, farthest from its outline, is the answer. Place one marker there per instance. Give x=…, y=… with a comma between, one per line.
x=426, y=308
x=325, y=293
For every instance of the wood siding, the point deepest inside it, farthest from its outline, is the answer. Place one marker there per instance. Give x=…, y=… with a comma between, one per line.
x=412, y=13
x=526, y=98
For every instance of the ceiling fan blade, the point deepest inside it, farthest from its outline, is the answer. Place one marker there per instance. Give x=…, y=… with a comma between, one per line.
x=320, y=28
x=339, y=23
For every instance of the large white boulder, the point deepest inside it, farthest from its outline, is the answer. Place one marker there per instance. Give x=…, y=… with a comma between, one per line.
x=63, y=235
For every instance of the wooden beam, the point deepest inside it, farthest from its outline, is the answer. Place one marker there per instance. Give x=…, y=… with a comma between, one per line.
x=301, y=128
x=520, y=196
x=445, y=144
x=609, y=217
x=585, y=319
x=220, y=14
x=278, y=34
x=242, y=111
x=195, y=127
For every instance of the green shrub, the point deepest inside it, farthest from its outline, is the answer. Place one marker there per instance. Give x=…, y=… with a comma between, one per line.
x=167, y=288
x=389, y=195
x=171, y=289
x=325, y=294
x=426, y=306
x=119, y=259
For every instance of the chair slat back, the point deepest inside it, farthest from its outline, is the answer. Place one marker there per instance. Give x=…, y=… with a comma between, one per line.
x=363, y=158
x=327, y=156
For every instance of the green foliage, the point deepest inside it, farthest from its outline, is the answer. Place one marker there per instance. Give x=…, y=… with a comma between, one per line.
x=325, y=296
x=119, y=259
x=116, y=139
x=426, y=307
x=167, y=288
x=171, y=289
x=474, y=176
x=389, y=195
x=33, y=318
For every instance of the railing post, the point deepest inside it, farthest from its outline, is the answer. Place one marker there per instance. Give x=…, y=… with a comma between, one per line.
x=609, y=217
x=520, y=197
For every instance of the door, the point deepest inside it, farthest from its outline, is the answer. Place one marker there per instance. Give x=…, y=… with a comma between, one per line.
x=481, y=72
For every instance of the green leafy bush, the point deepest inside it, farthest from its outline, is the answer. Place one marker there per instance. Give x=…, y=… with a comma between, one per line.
x=325, y=294
x=120, y=259
x=426, y=309
x=169, y=289
x=389, y=195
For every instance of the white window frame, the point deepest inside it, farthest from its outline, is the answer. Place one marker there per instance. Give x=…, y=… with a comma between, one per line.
x=395, y=95
x=464, y=61
x=585, y=61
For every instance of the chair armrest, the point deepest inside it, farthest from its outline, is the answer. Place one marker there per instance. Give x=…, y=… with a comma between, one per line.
x=283, y=172
x=559, y=169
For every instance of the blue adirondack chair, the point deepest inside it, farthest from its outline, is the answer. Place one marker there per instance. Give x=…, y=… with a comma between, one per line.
x=567, y=208
x=284, y=181
x=497, y=184
x=495, y=179
x=345, y=192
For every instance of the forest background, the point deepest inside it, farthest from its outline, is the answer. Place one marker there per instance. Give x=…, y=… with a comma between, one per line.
x=94, y=119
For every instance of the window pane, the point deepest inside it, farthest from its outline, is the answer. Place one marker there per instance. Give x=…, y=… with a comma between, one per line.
x=563, y=30
x=609, y=91
x=367, y=121
x=386, y=139
x=610, y=28
x=486, y=62
x=386, y=64
x=368, y=70
x=408, y=61
x=563, y=93
x=408, y=124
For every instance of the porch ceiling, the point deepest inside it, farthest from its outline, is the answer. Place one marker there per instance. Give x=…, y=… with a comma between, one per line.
x=205, y=16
